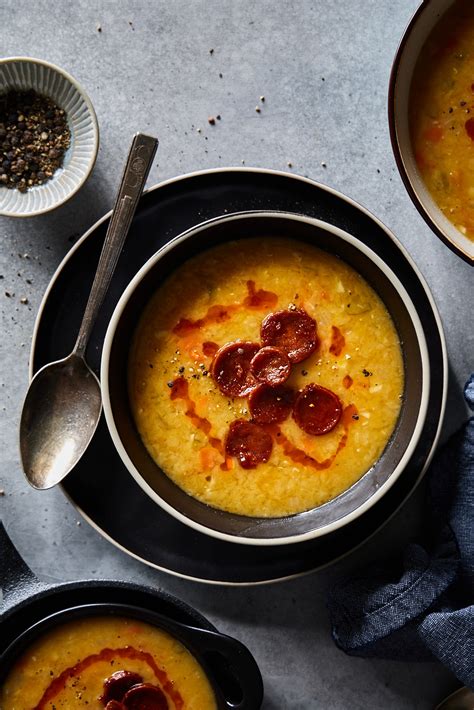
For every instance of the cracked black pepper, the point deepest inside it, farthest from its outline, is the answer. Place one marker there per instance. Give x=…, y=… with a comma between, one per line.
x=34, y=137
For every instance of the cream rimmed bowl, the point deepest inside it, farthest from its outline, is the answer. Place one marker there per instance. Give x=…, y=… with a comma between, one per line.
x=428, y=15
x=23, y=73
x=371, y=486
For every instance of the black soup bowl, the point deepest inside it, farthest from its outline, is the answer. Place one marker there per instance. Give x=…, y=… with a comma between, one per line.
x=371, y=486
x=33, y=609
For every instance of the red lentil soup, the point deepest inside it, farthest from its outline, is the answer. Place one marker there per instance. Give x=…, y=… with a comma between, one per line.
x=195, y=373
x=107, y=662
x=442, y=115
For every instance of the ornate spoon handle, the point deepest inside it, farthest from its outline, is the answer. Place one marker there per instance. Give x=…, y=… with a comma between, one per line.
x=136, y=171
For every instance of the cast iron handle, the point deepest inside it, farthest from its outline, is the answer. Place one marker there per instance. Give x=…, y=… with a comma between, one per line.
x=226, y=656
x=16, y=579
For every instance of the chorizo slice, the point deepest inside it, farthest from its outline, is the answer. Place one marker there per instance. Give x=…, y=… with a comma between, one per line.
x=293, y=331
x=317, y=410
x=145, y=697
x=117, y=685
x=271, y=366
x=249, y=443
x=230, y=368
x=271, y=405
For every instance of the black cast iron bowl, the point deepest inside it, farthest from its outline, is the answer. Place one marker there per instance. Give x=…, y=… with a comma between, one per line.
x=422, y=23
x=365, y=492
x=34, y=608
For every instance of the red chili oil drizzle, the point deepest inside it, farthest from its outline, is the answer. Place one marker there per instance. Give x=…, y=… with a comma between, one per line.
x=260, y=298
x=469, y=126
x=219, y=314
x=209, y=348
x=107, y=655
x=215, y=314
x=180, y=390
x=299, y=456
x=337, y=341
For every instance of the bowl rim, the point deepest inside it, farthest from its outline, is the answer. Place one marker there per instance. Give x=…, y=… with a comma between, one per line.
x=80, y=89
x=109, y=416
x=396, y=149
x=56, y=596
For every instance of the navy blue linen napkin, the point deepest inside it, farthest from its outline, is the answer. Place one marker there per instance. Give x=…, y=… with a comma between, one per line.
x=420, y=606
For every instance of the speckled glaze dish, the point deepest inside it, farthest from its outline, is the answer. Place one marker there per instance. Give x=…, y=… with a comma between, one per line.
x=370, y=487
x=31, y=608
x=422, y=23
x=23, y=73
x=101, y=488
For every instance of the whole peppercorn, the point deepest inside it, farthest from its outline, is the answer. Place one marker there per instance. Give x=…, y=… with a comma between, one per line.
x=34, y=136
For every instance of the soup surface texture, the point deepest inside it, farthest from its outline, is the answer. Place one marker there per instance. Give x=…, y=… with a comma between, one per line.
x=442, y=115
x=195, y=428
x=73, y=666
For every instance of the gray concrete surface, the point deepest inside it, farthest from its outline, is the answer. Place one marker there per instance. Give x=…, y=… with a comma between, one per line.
x=323, y=68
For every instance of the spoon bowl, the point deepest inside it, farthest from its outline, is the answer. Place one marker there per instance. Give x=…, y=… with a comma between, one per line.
x=59, y=418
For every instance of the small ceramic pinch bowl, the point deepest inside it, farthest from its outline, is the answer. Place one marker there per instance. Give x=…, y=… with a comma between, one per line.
x=428, y=15
x=22, y=74
x=371, y=486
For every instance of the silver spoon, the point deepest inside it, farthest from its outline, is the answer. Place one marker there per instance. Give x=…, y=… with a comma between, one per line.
x=63, y=403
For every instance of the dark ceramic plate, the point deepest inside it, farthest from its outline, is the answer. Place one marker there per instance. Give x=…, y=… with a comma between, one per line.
x=100, y=486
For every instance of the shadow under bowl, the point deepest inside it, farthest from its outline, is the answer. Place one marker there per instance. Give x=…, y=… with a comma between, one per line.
x=259, y=530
